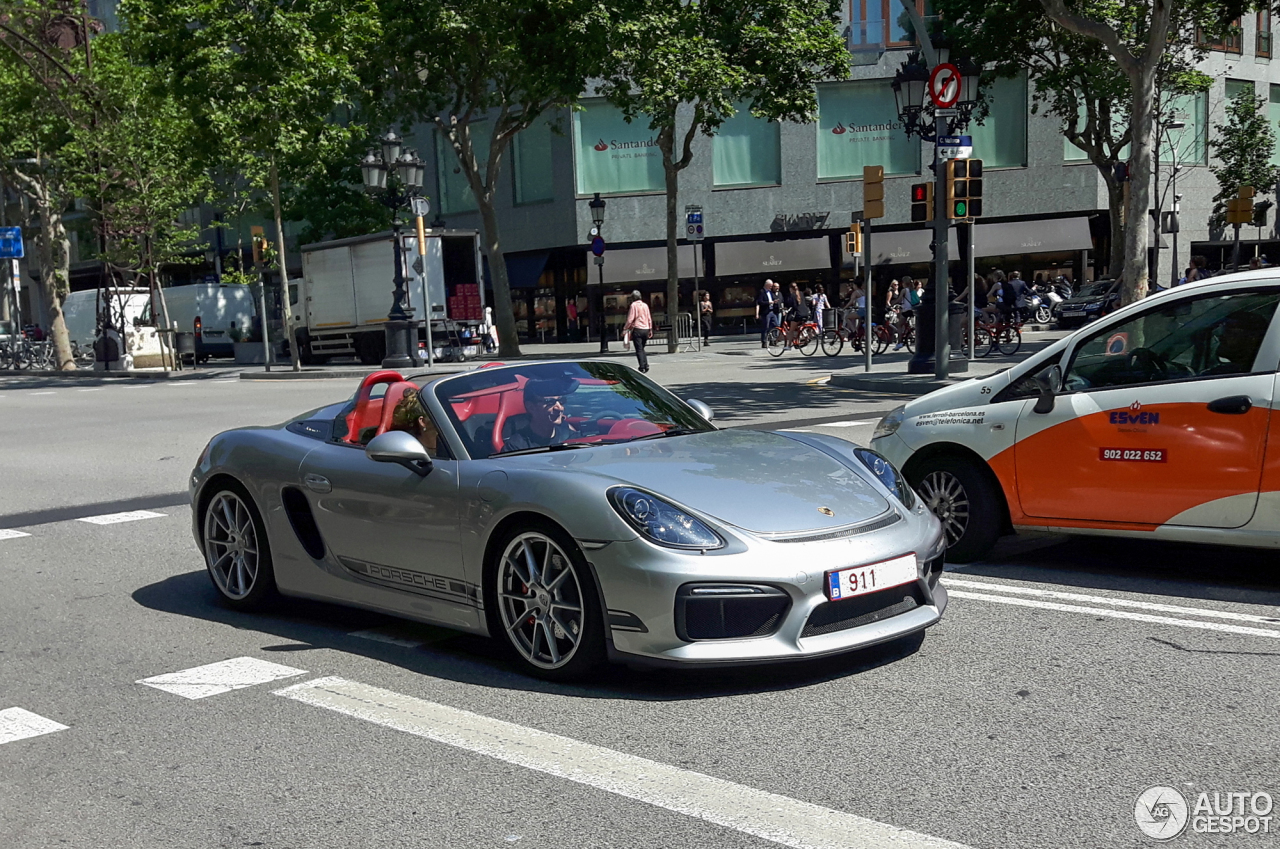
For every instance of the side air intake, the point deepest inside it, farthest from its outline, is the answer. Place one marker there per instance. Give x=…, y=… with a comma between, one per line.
x=303, y=522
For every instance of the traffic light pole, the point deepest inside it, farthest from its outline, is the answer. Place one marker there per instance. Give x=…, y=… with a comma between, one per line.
x=867, y=287
x=941, y=265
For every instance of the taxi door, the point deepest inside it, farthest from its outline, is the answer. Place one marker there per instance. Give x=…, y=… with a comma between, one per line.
x=1164, y=419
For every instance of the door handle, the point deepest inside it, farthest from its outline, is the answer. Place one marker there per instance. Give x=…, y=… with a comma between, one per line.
x=1234, y=406
x=317, y=483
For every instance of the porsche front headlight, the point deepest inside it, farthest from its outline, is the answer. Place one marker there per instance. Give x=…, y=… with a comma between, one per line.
x=889, y=425
x=888, y=475
x=662, y=522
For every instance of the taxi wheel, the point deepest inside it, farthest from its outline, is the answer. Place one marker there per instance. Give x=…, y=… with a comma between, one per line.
x=966, y=503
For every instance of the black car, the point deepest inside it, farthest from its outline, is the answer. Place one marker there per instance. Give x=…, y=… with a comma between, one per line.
x=1093, y=300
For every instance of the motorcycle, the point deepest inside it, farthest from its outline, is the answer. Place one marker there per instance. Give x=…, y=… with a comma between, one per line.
x=1045, y=299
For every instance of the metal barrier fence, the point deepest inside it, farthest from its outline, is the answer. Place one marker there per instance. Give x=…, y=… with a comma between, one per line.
x=688, y=337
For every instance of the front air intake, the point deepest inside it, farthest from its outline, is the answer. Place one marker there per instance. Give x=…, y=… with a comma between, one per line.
x=729, y=611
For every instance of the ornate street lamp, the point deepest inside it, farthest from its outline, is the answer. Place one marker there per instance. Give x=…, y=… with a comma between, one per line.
x=597, y=219
x=409, y=172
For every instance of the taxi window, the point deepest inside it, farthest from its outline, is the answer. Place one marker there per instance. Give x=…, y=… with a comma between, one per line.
x=1210, y=336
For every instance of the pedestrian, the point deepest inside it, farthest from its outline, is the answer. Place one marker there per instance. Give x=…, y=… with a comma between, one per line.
x=705, y=313
x=820, y=306
x=768, y=308
x=639, y=325
x=571, y=314
x=855, y=307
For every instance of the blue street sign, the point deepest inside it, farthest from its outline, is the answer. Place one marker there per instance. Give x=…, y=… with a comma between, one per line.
x=597, y=246
x=10, y=243
x=955, y=141
x=694, y=218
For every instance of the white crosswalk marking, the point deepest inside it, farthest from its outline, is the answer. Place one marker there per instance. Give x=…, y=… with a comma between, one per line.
x=770, y=816
x=200, y=682
x=7, y=533
x=117, y=518
x=19, y=724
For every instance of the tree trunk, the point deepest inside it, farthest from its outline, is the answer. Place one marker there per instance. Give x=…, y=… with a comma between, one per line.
x=289, y=335
x=503, y=315
x=1115, y=205
x=55, y=276
x=671, y=173
x=1134, y=275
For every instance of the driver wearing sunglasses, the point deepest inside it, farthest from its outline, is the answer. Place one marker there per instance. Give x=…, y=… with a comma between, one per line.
x=545, y=422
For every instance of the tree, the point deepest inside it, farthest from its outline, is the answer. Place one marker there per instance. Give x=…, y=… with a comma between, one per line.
x=1138, y=37
x=1243, y=147
x=1074, y=78
x=481, y=73
x=672, y=59
x=262, y=82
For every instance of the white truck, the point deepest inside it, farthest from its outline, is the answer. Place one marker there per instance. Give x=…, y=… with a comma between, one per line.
x=341, y=302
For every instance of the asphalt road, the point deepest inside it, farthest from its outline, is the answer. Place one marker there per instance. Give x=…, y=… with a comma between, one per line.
x=1067, y=677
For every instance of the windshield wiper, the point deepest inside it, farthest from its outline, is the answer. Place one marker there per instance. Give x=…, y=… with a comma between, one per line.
x=675, y=431
x=540, y=449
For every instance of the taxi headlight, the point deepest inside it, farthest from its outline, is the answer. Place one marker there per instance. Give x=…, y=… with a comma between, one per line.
x=889, y=425
x=888, y=475
x=661, y=522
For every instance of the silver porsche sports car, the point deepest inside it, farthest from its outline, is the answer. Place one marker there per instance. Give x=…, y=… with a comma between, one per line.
x=576, y=512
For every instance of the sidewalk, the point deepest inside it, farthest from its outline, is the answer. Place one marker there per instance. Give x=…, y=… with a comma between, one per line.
x=891, y=376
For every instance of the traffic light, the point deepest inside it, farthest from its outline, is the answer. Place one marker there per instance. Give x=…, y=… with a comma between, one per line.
x=853, y=239
x=872, y=191
x=1240, y=208
x=964, y=188
x=921, y=202
x=259, y=239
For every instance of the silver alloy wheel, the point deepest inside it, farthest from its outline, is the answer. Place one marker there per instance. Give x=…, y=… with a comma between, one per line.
x=540, y=600
x=231, y=545
x=943, y=493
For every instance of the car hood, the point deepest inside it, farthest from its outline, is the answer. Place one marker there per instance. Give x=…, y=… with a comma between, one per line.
x=758, y=481
x=1083, y=299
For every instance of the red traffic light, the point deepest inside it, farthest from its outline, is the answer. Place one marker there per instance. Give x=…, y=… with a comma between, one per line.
x=919, y=193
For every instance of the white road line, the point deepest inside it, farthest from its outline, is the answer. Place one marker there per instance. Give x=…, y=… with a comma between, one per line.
x=93, y=389
x=19, y=724
x=42, y=393
x=1118, y=614
x=770, y=816
x=222, y=677
x=1116, y=602
x=6, y=533
x=117, y=518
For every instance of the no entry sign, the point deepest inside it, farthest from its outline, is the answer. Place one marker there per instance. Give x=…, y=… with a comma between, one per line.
x=944, y=85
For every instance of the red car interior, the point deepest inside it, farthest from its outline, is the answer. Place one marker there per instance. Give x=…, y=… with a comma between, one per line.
x=368, y=411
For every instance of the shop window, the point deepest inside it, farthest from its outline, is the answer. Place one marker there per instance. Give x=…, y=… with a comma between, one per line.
x=858, y=125
x=531, y=164
x=1187, y=146
x=1262, y=43
x=746, y=151
x=613, y=156
x=455, y=191
x=877, y=24
x=1231, y=42
x=1001, y=140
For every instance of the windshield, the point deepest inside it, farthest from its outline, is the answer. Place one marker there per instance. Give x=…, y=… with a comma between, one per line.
x=548, y=406
x=1095, y=290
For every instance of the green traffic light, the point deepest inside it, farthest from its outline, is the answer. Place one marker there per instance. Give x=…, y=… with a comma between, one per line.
x=962, y=209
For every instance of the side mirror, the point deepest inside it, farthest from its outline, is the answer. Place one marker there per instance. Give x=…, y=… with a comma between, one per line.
x=396, y=446
x=1049, y=386
x=702, y=409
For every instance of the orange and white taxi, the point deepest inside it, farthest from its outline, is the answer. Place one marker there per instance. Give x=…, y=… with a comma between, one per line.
x=1154, y=421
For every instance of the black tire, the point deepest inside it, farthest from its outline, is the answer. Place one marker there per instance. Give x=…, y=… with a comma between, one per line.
x=966, y=502
x=1009, y=341
x=1043, y=315
x=505, y=588
x=305, y=355
x=832, y=342
x=808, y=341
x=776, y=341
x=223, y=534
x=370, y=348
x=879, y=340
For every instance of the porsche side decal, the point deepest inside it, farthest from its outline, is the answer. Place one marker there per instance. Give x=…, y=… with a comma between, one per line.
x=437, y=586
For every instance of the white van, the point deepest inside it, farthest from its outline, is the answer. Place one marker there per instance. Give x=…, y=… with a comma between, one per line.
x=83, y=310
x=209, y=310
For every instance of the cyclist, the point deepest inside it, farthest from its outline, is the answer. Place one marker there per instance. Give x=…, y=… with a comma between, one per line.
x=797, y=312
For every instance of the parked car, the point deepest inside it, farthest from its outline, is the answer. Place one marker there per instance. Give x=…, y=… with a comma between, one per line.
x=573, y=511
x=1152, y=422
x=1092, y=301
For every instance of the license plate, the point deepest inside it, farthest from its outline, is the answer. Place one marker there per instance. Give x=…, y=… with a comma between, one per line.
x=860, y=580
x=1073, y=312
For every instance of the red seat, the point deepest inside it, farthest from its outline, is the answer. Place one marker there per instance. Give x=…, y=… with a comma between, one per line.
x=511, y=404
x=367, y=412
x=395, y=394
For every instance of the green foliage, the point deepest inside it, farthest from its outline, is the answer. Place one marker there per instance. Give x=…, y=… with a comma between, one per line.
x=1243, y=147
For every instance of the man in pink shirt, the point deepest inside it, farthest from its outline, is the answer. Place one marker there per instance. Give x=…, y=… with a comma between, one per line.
x=640, y=325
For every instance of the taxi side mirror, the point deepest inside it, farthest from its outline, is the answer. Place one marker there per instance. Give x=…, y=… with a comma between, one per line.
x=1049, y=386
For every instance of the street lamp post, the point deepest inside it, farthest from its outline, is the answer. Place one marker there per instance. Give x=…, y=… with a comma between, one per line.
x=1162, y=131
x=597, y=205
x=921, y=118
x=394, y=175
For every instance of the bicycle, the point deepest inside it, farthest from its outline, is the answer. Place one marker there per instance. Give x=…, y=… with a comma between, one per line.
x=806, y=339
x=833, y=340
x=1002, y=335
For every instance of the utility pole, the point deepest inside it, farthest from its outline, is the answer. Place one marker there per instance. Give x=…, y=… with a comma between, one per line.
x=941, y=263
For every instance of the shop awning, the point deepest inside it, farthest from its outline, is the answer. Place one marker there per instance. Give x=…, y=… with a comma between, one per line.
x=642, y=265
x=523, y=271
x=905, y=247
x=1055, y=235
x=760, y=257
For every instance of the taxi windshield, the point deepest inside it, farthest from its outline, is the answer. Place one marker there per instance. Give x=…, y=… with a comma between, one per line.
x=555, y=406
